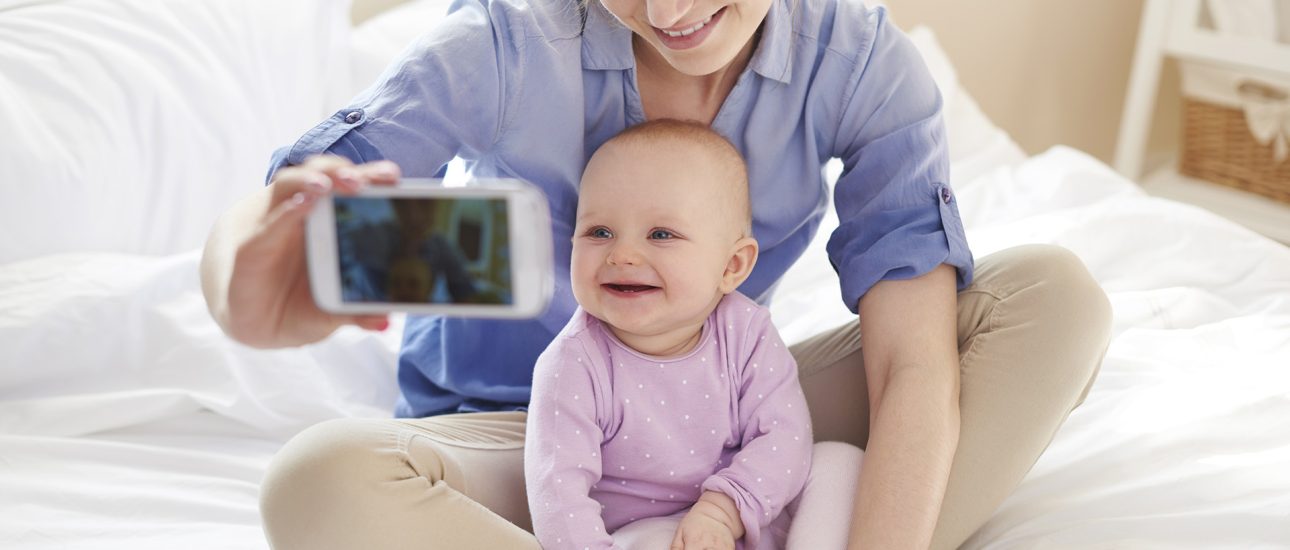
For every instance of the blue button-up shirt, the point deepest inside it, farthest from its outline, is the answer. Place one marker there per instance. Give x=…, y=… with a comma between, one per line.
x=521, y=88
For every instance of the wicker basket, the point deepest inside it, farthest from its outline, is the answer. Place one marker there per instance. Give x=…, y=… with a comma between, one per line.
x=1218, y=142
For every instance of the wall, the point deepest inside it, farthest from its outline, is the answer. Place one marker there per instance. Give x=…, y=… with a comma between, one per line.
x=1047, y=71
x=364, y=9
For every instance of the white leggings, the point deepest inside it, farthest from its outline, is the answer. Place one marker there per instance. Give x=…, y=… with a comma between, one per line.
x=818, y=519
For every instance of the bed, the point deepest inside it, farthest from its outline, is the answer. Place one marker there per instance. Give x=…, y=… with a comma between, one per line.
x=128, y=420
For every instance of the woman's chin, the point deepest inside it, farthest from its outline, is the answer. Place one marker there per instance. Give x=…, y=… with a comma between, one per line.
x=696, y=63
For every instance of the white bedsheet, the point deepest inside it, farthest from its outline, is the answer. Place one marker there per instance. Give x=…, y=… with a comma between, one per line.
x=1184, y=441
x=128, y=421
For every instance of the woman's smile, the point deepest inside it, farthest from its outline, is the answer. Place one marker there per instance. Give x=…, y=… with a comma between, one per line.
x=682, y=37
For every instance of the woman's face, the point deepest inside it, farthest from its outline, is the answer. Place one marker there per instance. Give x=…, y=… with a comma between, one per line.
x=696, y=37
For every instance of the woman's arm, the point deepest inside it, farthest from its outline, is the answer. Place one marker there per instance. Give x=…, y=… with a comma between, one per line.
x=911, y=364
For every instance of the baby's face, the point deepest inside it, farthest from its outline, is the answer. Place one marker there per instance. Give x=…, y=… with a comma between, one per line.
x=409, y=281
x=415, y=217
x=653, y=237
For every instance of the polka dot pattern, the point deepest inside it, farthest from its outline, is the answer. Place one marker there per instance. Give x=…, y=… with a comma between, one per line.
x=728, y=416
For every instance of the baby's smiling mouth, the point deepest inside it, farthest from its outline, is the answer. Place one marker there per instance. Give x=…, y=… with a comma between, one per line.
x=628, y=288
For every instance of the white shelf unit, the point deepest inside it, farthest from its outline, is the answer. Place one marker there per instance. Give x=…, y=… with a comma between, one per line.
x=1260, y=214
x=1171, y=28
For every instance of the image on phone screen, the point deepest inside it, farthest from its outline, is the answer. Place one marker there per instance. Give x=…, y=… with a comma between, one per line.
x=423, y=250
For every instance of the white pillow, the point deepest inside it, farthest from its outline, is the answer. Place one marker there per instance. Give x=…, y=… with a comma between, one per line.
x=95, y=342
x=129, y=125
x=377, y=42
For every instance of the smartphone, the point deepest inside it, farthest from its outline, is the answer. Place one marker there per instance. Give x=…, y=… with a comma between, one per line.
x=482, y=250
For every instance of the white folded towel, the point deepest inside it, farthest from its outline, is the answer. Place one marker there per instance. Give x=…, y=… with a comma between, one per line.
x=1263, y=96
x=1248, y=18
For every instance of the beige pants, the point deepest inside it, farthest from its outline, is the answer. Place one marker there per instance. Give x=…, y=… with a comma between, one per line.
x=1032, y=331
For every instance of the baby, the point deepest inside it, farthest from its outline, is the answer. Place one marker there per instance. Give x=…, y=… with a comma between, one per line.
x=409, y=280
x=667, y=413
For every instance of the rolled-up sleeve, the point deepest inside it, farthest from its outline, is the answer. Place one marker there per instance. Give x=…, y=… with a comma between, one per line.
x=898, y=216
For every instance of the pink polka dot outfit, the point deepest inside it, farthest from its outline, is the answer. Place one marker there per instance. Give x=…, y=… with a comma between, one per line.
x=616, y=436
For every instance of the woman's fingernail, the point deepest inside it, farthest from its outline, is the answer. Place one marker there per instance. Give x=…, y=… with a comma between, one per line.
x=387, y=169
x=349, y=175
x=317, y=184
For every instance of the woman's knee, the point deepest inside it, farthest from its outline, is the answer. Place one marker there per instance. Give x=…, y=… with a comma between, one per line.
x=1071, y=276
x=333, y=452
x=1049, y=288
x=324, y=474
x=1059, y=287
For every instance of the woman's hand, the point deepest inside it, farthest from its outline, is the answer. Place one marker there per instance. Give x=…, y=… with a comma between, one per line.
x=254, y=274
x=709, y=525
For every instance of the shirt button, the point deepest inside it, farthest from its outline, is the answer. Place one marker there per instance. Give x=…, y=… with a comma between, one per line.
x=353, y=117
x=946, y=195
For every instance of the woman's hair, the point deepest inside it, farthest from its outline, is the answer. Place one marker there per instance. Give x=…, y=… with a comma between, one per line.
x=582, y=14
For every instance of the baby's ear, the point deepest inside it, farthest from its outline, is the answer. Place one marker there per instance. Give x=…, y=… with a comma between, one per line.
x=743, y=256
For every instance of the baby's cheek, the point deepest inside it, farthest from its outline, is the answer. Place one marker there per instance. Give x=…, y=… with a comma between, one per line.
x=582, y=271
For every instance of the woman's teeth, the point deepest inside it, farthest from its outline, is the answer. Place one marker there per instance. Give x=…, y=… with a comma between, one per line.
x=689, y=31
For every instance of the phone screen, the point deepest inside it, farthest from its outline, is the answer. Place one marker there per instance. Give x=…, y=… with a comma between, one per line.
x=423, y=250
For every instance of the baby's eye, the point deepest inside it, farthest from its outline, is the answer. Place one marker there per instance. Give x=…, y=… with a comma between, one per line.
x=660, y=235
x=600, y=233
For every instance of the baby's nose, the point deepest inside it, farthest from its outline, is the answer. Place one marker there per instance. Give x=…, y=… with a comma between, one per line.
x=623, y=254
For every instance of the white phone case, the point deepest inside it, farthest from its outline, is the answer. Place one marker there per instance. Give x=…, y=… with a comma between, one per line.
x=481, y=250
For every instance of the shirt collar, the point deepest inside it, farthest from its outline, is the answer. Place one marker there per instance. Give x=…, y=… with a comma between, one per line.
x=607, y=44
x=773, y=58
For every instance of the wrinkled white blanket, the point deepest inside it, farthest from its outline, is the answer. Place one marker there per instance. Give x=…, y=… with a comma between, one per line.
x=127, y=420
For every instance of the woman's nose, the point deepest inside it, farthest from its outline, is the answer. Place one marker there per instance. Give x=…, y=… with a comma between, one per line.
x=666, y=13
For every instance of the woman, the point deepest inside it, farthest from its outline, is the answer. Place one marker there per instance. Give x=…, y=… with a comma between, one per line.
x=966, y=371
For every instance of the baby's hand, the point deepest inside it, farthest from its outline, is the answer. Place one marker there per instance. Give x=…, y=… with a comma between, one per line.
x=704, y=527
